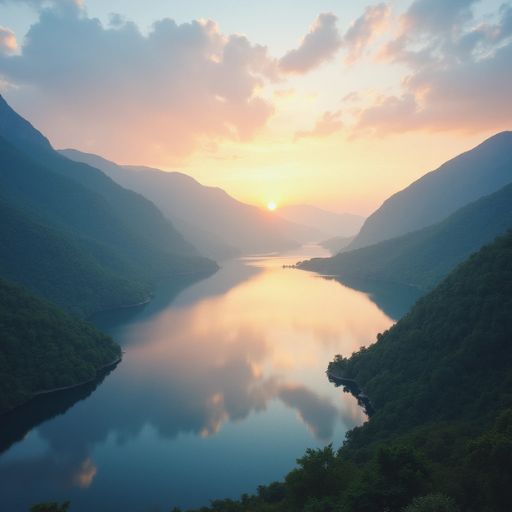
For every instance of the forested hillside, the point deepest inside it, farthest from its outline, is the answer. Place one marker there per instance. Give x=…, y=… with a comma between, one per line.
x=127, y=217
x=440, y=381
x=42, y=348
x=74, y=236
x=60, y=268
x=421, y=259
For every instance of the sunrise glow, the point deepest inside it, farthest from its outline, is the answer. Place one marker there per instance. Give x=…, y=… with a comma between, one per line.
x=316, y=106
x=271, y=206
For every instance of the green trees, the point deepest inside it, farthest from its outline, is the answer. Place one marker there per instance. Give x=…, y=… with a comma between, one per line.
x=432, y=503
x=59, y=267
x=314, y=479
x=42, y=348
x=50, y=507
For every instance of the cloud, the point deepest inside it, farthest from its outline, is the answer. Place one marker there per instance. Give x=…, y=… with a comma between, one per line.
x=63, y=6
x=8, y=43
x=40, y=4
x=351, y=97
x=84, y=475
x=364, y=30
x=436, y=16
x=327, y=124
x=471, y=97
x=440, y=33
x=459, y=76
x=318, y=46
x=175, y=86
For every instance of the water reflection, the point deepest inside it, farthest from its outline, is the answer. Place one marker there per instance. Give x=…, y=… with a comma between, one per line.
x=318, y=413
x=221, y=388
x=14, y=426
x=395, y=300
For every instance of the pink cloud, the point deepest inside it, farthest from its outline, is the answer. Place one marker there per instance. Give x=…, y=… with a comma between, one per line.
x=459, y=76
x=328, y=124
x=128, y=95
x=318, y=46
x=364, y=30
x=8, y=43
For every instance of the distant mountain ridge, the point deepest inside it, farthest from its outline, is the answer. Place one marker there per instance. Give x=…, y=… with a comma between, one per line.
x=22, y=135
x=330, y=223
x=215, y=222
x=337, y=243
x=473, y=174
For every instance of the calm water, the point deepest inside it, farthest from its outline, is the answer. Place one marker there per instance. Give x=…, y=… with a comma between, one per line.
x=221, y=388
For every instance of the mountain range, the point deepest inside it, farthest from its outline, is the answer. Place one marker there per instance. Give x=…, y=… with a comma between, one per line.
x=117, y=242
x=216, y=223
x=421, y=258
x=473, y=174
x=329, y=223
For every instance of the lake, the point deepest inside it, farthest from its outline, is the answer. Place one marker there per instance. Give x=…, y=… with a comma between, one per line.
x=221, y=388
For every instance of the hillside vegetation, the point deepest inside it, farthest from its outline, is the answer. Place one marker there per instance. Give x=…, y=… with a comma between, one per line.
x=421, y=259
x=60, y=268
x=42, y=348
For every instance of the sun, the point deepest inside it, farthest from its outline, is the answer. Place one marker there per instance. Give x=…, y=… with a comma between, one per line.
x=271, y=206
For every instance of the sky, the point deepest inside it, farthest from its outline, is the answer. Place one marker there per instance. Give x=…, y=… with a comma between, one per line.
x=334, y=103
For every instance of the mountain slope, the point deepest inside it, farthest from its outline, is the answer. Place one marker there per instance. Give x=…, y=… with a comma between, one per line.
x=146, y=222
x=18, y=131
x=465, y=326
x=330, y=223
x=206, y=211
x=441, y=383
x=465, y=178
x=422, y=258
x=121, y=233
x=336, y=244
x=61, y=269
x=42, y=348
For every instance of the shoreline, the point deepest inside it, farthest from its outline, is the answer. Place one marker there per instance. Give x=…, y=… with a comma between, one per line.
x=120, y=307
x=151, y=296
x=351, y=386
x=112, y=364
x=43, y=392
